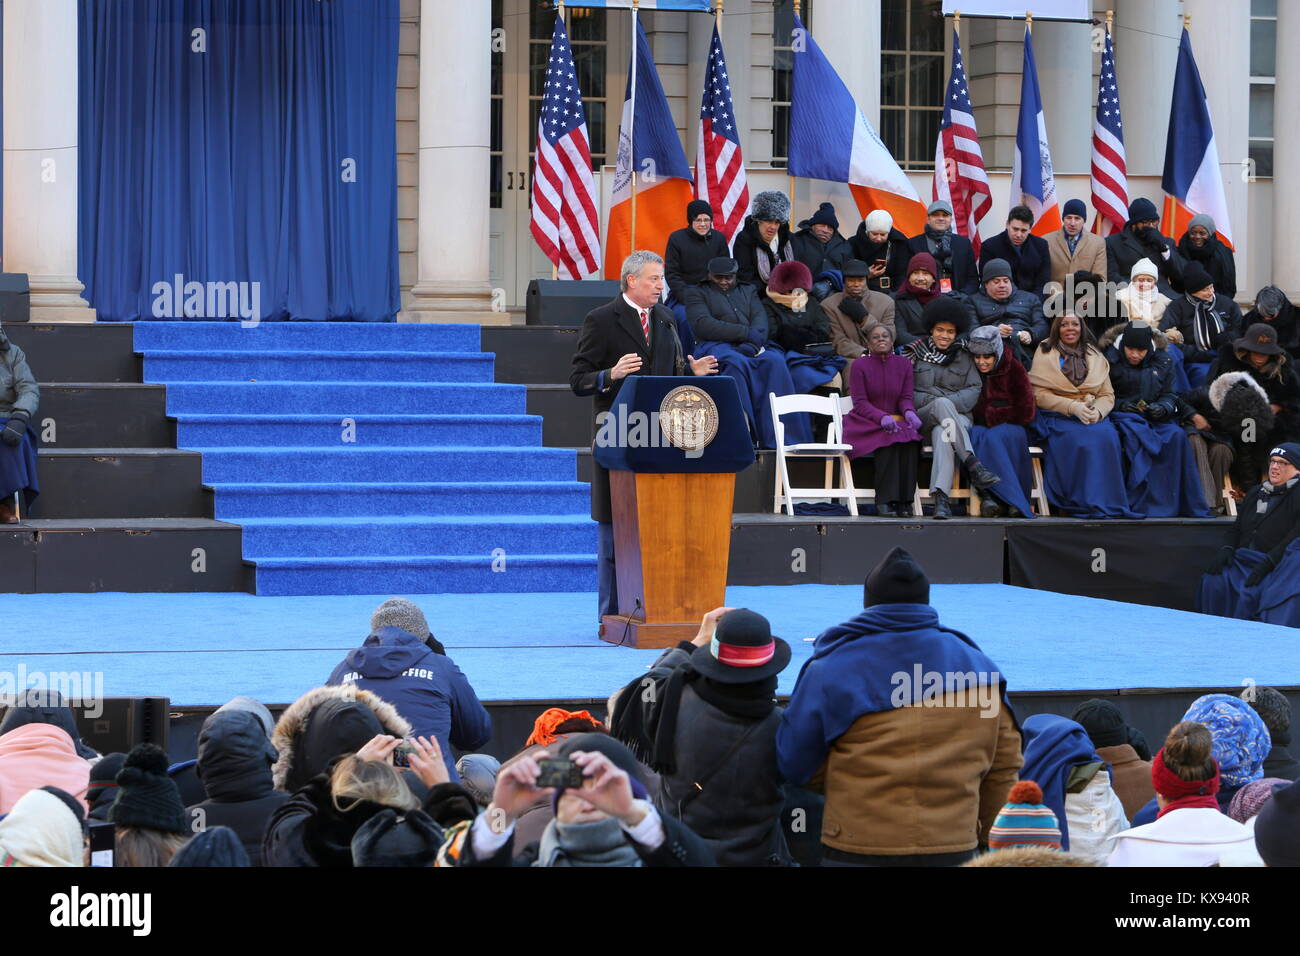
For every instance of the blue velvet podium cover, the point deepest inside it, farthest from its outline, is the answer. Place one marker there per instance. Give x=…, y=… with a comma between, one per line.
x=631, y=437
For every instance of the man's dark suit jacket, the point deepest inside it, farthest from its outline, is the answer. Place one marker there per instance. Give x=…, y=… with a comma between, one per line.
x=610, y=332
x=964, y=274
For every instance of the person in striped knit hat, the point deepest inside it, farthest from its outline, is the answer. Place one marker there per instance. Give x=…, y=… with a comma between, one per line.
x=1025, y=821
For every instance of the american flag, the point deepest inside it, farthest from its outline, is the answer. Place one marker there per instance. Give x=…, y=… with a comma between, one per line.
x=959, y=175
x=719, y=168
x=565, y=222
x=1109, y=172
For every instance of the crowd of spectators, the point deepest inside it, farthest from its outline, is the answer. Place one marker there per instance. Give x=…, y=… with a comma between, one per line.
x=898, y=746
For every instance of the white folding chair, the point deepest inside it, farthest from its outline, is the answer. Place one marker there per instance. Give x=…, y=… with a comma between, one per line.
x=1229, y=502
x=869, y=494
x=832, y=450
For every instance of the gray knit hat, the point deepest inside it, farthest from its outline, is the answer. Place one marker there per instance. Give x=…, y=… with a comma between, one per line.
x=399, y=612
x=1205, y=221
x=771, y=205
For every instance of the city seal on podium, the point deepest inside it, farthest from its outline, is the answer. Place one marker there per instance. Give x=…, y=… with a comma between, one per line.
x=688, y=417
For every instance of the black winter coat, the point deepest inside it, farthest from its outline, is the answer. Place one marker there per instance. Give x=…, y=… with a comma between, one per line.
x=686, y=259
x=1282, y=388
x=755, y=257
x=894, y=252
x=1031, y=263
x=794, y=331
x=1151, y=381
x=234, y=764
x=308, y=830
x=961, y=268
x=1023, y=311
x=1272, y=531
x=1181, y=315
x=820, y=256
x=1217, y=260
x=1288, y=334
x=729, y=317
x=1279, y=762
x=1124, y=250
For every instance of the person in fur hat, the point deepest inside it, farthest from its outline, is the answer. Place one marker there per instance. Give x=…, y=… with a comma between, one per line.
x=1251, y=401
x=763, y=243
x=1160, y=467
x=799, y=328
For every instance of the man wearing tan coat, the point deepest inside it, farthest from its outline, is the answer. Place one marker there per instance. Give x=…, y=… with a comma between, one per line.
x=1089, y=250
x=851, y=311
x=904, y=725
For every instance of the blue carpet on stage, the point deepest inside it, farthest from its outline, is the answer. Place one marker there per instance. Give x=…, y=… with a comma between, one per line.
x=206, y=648
x=367, y=457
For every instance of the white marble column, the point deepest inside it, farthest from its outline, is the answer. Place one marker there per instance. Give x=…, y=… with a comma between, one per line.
x=848, y=32
x=40, y=155
x=1286, y=158
x=1146, y=55
x=1063, y=52
x=455, y=89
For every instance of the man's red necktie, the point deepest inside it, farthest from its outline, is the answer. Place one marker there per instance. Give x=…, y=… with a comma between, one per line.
x=645, y=325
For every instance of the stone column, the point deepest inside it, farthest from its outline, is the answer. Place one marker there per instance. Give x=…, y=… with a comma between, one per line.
x=1063, y=52
x=455, y=89
x=1146, y=55
x=1286, y=159
x=40, y=155
x=848, y=32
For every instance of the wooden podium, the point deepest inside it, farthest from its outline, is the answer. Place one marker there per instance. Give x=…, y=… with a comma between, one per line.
x=672, y=511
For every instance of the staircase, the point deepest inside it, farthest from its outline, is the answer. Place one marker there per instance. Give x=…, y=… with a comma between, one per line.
x=365, y=458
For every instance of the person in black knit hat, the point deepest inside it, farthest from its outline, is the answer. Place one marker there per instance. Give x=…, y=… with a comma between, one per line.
x=1121, y=746
x=148, y=812
x=215, y=846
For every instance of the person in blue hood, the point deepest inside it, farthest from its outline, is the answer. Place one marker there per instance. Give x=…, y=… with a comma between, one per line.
x=405, y=665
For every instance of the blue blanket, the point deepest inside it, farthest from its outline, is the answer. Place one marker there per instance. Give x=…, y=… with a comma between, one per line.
x=1160, y=470
x=1083, y=466
x=18, y=469
x=1279, y=594
x=756, y=377
x=868, y=665
x=1004, y=449
x=1226, y=594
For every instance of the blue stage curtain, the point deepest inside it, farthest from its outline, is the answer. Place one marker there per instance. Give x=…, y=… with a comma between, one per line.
x=229, y=165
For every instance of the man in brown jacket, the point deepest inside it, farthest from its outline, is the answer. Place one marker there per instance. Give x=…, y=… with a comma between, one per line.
x=905, y=726
x=1073, y=248
x=849, y=325
x=1130, y=775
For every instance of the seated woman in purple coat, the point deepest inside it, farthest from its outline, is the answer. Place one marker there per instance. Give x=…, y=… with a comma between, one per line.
x=884, y=423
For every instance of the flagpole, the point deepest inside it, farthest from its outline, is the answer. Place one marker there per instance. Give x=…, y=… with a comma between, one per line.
x=631, y=133
x=559, y=12
x=717, y=15
x=787, y=139
x=1029, y=20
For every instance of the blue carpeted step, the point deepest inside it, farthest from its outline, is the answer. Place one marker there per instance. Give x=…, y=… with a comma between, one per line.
x=378, y=463
x=242, y=501
x=497, y=536
x=358, y=430
x=312, y=366
x=343, y=398
x=430, y=574
x=334, y=336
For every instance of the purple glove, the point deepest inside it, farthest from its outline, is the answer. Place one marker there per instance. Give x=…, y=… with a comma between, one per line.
x=890, y=425
x=912, y=419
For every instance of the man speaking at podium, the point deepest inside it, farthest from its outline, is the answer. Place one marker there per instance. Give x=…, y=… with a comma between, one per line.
x=632, y=335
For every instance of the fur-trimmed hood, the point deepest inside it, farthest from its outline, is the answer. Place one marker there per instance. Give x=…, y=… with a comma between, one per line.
x=1219, y=388
x=326, y=722
x=1111, y=337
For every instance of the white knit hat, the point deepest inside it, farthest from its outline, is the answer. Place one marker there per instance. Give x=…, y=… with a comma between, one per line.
x=1144, y=267
x=879, y=220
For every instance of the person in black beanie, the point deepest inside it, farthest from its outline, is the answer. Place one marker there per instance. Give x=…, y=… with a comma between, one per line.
x=686, y=262
x=704, y=718
x=1275, y=710
x=215, y=846
x=1115, y=742
x=390, y=838
x=915, y=770
x=148, y=813
x=103, y=785
x=819, y=245
x=1141, y=239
